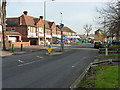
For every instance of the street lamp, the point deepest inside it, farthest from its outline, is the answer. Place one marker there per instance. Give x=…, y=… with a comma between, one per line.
x=61, y=26
x=44, y=21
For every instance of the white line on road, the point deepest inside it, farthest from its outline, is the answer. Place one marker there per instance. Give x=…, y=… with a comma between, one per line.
x=20, y=61
x=28, y=63
x=39, y=57
x=73, y=66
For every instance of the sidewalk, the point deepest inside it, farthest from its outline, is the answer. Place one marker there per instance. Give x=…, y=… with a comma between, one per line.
x=26, y=49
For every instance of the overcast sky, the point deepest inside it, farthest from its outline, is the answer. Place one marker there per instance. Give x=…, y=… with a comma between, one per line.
x=76, y=13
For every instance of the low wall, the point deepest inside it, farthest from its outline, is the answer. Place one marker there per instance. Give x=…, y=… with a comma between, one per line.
x=19, y=43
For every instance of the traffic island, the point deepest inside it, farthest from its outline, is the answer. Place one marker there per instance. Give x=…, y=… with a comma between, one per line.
x=53, y=53
x=18, y=53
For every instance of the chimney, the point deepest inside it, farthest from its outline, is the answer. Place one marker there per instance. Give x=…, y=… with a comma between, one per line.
x=41, y=17
x=25, y=13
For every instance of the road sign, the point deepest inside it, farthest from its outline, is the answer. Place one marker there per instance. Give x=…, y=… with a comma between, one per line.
x=61, y=25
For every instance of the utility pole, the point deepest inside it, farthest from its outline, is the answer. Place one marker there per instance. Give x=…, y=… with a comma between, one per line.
x=4, y=25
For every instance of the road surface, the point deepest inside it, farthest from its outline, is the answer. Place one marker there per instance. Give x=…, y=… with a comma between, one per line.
x=35, y=70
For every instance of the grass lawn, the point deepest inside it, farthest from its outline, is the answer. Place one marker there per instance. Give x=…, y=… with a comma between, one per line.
x=109, y=56
x=102, y=76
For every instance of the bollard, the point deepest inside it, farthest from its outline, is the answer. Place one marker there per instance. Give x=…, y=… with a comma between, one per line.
x=49, y=49
x=21, y=47
x=61, y=47
x=13, y=49
x=106, y=51
x=110, y=61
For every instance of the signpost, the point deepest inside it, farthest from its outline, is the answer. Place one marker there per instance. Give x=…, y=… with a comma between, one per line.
x=62, y=44
x=106, y=50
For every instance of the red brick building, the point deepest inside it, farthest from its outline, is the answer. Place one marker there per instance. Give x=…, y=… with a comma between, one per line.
x=31, y=28
x=99, y=35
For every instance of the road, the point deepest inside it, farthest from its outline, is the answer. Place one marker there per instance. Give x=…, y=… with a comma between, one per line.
x=35, y=70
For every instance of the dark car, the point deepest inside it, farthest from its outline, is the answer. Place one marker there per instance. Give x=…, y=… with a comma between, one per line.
x=57, y=42
x=98, y=44
x=115, y=42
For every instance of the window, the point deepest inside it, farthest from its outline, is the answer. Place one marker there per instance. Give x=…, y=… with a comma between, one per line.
x=13, y=29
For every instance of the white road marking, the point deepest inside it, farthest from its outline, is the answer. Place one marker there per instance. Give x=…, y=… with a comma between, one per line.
x=73, y=66
x=28, y=63
x=20, y=61
x=39, y=57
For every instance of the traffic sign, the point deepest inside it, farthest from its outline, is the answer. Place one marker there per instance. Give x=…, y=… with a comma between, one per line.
x=61, y=25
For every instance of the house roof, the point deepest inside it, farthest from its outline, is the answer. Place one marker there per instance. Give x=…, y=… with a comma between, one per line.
x=28, y=20
x=67, y=29
x=12, y=21
x=12, y=33
x=99, y=30
x=50, y=23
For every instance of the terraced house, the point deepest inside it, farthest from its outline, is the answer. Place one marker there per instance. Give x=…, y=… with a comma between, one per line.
x=32, y=29
x=69, y=33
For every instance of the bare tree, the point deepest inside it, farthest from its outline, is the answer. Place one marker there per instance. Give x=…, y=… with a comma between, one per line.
x=3, y=20
x=110, y=18
x=87, y=28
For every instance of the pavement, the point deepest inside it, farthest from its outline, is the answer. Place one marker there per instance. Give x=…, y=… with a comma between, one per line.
x=28, y=49
x=35, y=70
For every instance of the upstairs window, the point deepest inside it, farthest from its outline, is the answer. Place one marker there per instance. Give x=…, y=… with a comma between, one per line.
x=13, y=29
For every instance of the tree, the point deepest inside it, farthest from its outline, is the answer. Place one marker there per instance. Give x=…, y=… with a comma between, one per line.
x=3, y=21
x=110, y=18
x=87, y=28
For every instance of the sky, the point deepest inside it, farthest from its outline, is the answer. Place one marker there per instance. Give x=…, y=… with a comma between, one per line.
x=75, y=13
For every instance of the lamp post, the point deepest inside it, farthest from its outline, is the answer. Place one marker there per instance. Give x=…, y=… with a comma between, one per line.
x=61, y=26
x=38, y=36
x=45, y=22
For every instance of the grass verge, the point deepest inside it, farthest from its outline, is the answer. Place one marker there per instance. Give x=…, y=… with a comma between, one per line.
x=109, y=56
x=102, y=76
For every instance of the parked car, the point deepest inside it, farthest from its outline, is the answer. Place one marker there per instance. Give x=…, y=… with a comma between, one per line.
x=67, y=41
x=57, y=42
x=98, y=44
x=115, y=42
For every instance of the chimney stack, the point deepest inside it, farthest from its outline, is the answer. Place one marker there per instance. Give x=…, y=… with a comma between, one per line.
x=41, y=17
x=25, y=13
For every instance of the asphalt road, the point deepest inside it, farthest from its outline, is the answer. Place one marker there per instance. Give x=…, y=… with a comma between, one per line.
x=35, y=70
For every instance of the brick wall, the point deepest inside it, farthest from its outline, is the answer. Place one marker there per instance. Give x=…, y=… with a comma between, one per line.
x=21, y=29
x=54, y=28
x=19, y=43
